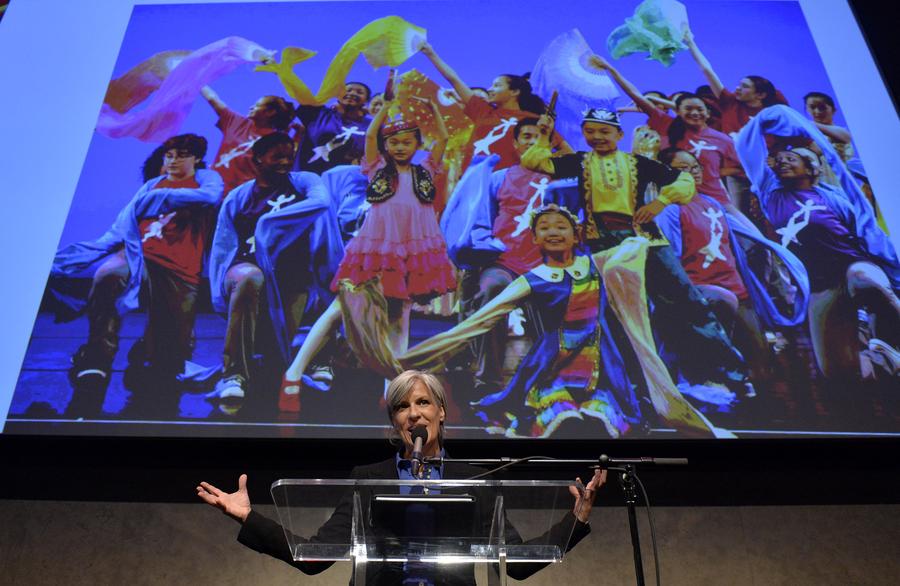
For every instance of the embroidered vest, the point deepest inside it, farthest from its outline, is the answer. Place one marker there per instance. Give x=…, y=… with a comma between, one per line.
x=592, y=230
x=384, y=184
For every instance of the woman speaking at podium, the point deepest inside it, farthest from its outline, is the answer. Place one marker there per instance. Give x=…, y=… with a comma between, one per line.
x=415, y=402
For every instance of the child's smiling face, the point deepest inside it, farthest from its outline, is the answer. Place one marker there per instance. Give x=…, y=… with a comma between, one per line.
x=553, y=232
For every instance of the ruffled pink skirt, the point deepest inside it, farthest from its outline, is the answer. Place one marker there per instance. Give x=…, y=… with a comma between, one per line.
x=401, y=243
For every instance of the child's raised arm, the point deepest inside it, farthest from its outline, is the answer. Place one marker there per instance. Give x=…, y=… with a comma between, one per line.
x=372, y=152
x=838, y=133
x=644, y=104
x=705, y=66
x=214, y=100
x=464, y=91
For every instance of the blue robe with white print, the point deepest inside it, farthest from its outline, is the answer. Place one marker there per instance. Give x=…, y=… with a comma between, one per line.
x=669, y=221
x=78, y=259
x=347, y=186
x=847, y=201
x=468, y=219
x=309, y=223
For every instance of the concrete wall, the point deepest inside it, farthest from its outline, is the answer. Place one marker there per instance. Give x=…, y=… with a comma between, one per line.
x=80, y=543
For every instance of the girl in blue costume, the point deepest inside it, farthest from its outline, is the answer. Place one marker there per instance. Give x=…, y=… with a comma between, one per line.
x=565, y=375
x=832, y=229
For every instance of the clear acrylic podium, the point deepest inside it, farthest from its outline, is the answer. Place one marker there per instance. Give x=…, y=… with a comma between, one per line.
x=484, y=527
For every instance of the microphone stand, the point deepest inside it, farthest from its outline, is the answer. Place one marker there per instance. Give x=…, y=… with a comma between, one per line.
x=626, y=466
x=628, y=487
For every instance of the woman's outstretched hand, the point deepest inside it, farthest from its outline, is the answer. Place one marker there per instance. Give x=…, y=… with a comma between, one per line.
x=236, y=504
x=584, y=499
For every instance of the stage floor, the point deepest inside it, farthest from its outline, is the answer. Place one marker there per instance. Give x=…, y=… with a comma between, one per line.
x=798, y=403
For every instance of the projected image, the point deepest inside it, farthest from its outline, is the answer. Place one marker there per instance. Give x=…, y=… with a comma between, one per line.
x=616, y=220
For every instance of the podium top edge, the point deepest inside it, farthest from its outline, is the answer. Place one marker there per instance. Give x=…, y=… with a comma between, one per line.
x=449, y=483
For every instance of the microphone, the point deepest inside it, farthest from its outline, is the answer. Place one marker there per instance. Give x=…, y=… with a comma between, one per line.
x=419, y=436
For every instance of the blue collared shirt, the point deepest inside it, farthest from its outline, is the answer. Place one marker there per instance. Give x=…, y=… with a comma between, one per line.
x=404, y=472
x=417, y=574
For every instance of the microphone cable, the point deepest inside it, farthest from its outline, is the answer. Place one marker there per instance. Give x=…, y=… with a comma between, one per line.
x=507, y=465
x=649, y=518
x=637, y=479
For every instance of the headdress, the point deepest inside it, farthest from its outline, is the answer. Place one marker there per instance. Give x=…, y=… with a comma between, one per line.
x=811, y=158
x=604, y=114
x=552, y=208
x=397, y=124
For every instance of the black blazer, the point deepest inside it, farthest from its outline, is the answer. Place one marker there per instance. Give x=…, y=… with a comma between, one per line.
x=267, y=536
